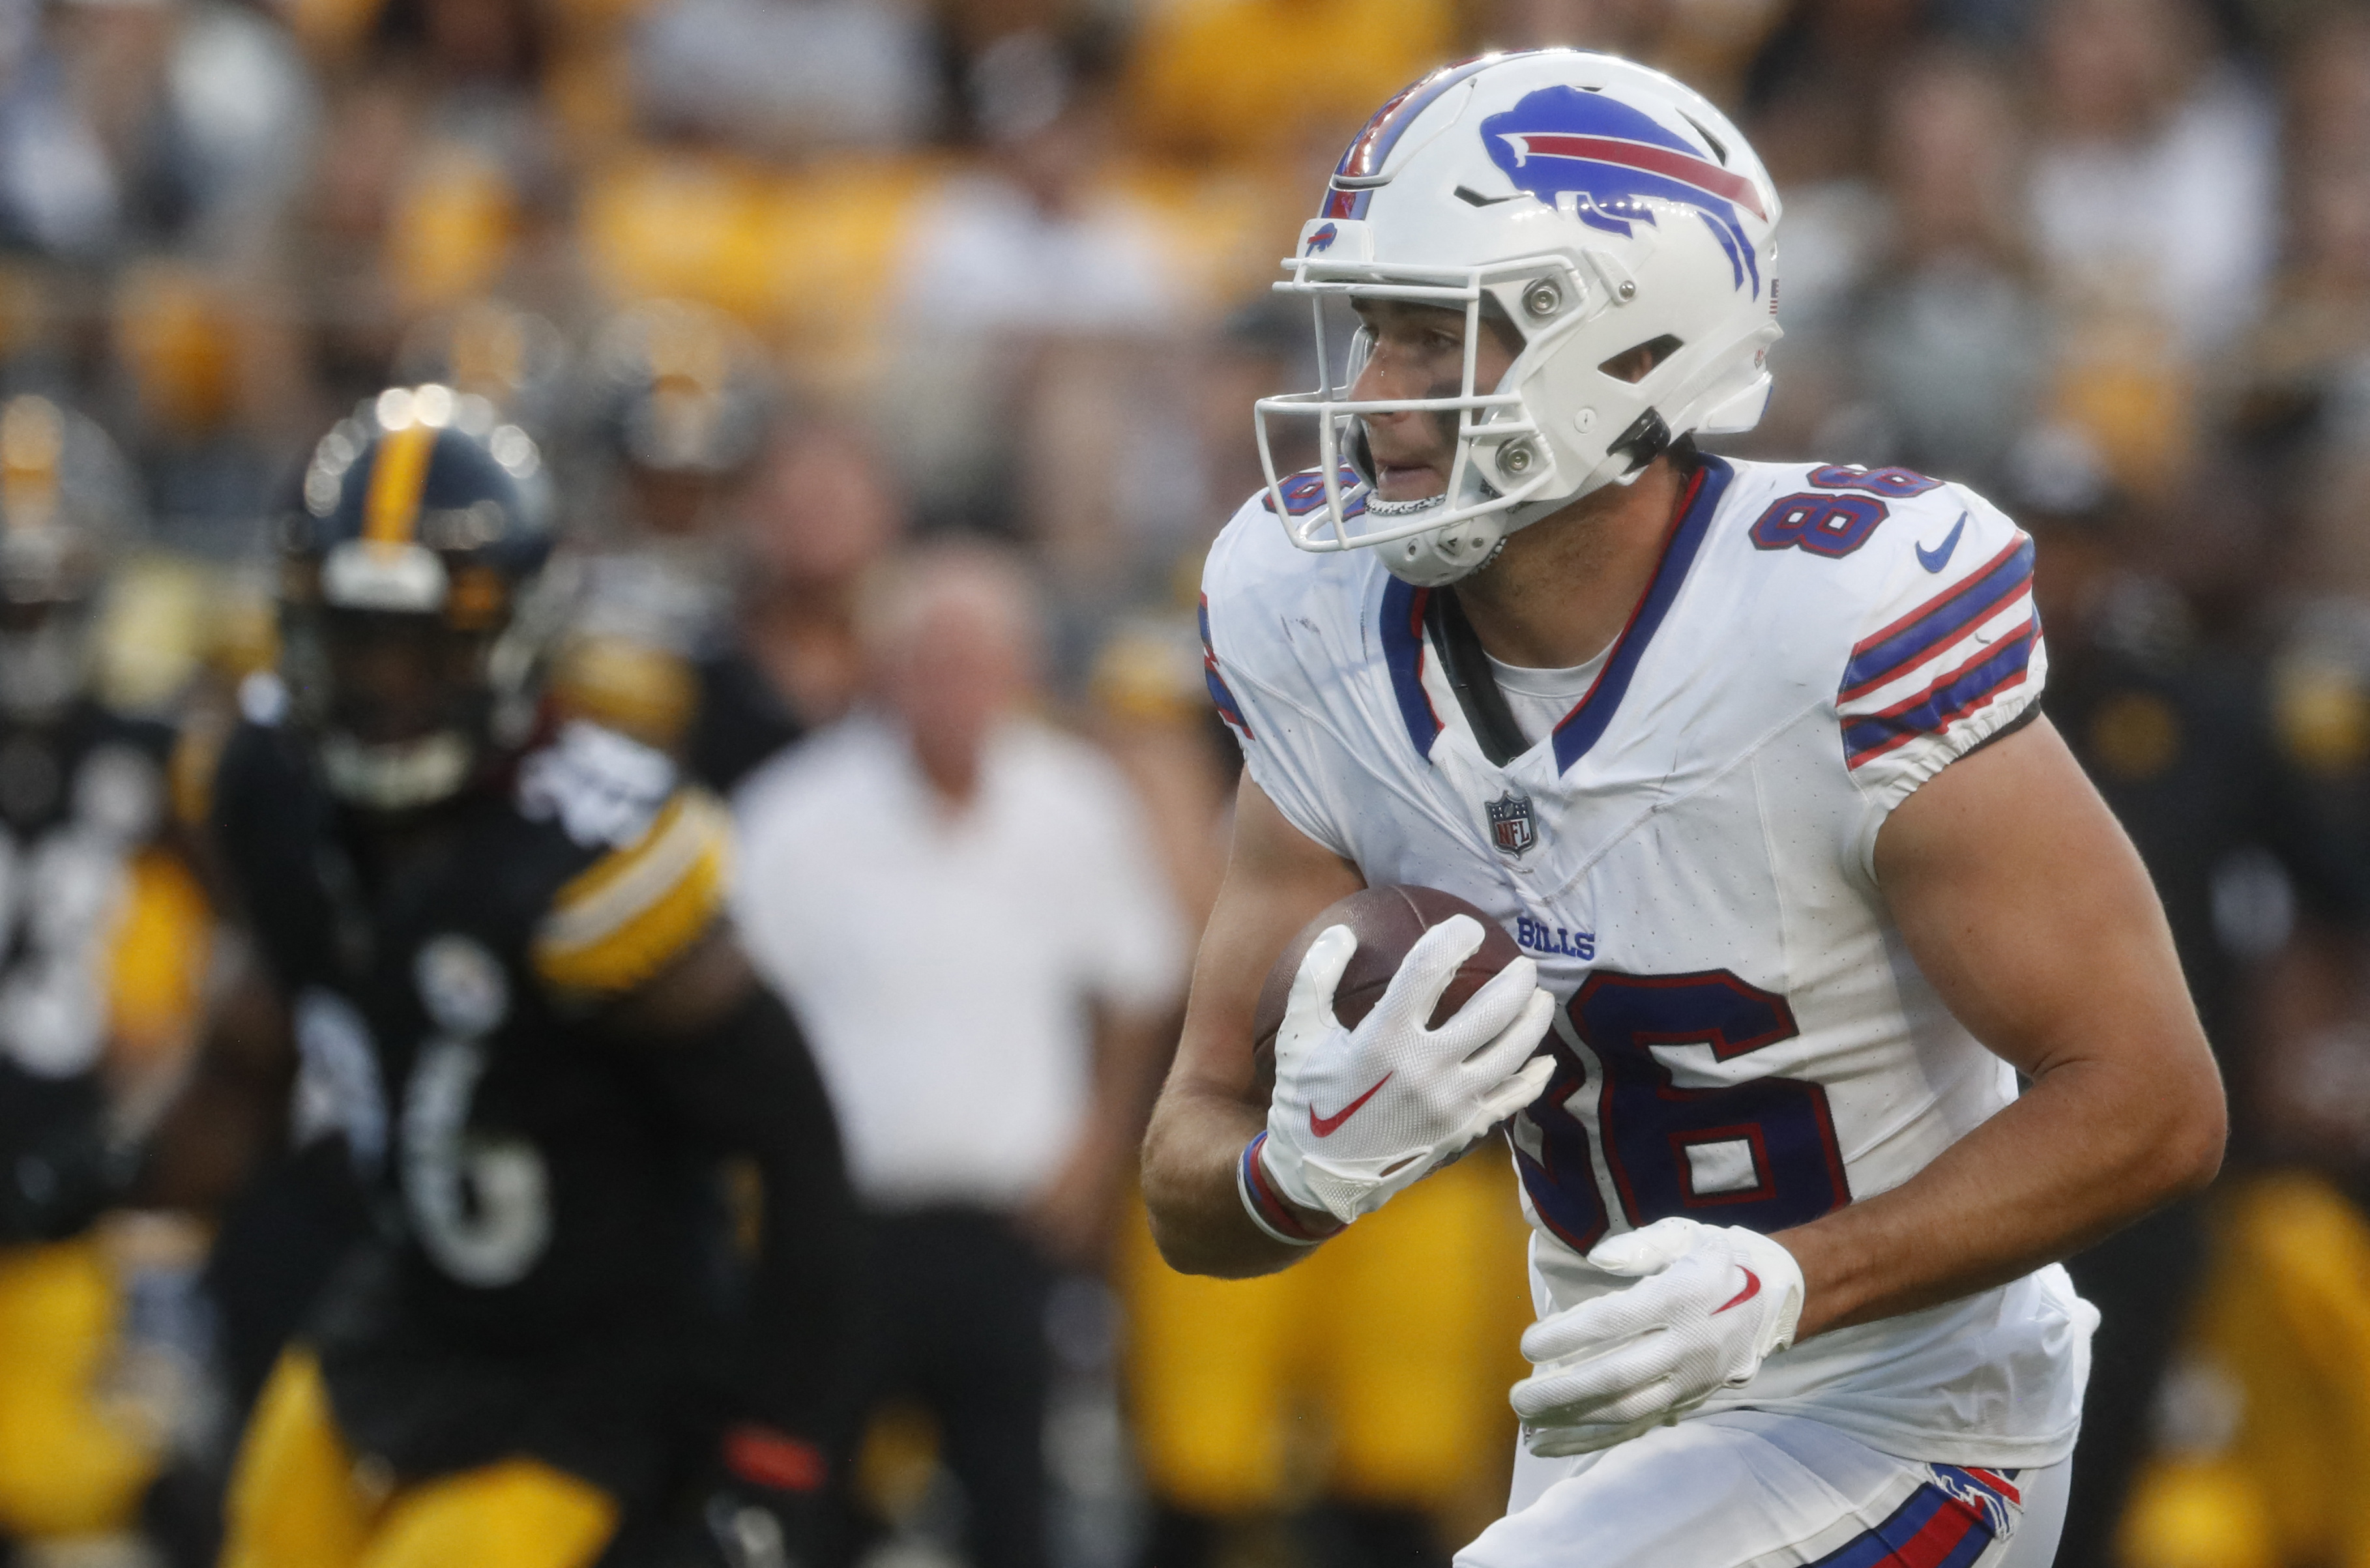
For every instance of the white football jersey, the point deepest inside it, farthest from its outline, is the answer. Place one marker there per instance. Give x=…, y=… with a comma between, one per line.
x=1688, y=855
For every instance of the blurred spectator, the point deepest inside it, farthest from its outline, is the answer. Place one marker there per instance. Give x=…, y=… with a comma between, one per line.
x=1270, y=80
x=1815, y=90
x=1952, y=339
x=199, y=381
x=476, y=65
x=173, y=122
x=959, y=903
x=1029, y=252
x=1629, y=28
x=514, y=358
x=1031, y=244
x=2262, y=1419
x=817, y=517
x=2317, y=327
x=480, y=187
x=2152, y=207
x=792, y=75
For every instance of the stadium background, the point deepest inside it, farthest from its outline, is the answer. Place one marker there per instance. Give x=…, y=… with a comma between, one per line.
x=997, y=266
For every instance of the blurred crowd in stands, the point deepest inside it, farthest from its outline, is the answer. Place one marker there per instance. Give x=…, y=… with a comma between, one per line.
x=785, y=289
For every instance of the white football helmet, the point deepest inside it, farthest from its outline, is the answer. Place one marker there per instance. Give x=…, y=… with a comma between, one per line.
x=1601, y=206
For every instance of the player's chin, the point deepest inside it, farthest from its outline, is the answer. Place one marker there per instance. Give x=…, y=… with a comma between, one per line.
x=1408, y=482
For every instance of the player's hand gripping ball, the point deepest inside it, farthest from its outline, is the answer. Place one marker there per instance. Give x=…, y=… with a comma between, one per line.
x=1366, y=1104
x=1710, y=1303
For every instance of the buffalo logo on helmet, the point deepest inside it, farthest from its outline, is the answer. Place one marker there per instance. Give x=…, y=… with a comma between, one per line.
x=1612, y=160
x=1512, y=827
x=1321, y=241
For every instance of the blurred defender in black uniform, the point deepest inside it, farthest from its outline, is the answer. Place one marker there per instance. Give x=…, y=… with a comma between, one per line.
x=497, y=975
x=679, y=413
x=84, y=836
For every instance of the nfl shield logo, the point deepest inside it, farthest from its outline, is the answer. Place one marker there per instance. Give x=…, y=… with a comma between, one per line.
x=1512, y=828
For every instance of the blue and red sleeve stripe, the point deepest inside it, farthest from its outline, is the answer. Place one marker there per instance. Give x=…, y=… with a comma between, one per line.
x=1220, y=693
x=1890, y=653
x=1997, y=669
x=1934, y=1528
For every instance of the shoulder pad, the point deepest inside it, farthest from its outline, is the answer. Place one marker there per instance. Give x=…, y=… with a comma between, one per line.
x=622, y=917
x=602, y=788
x=1260, y=590
x=629, y=685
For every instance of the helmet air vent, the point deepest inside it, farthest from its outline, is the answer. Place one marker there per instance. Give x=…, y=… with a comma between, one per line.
x=1634, y=363
x=1718, y=148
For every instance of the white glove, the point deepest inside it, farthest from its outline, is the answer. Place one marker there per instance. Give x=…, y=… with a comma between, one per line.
x=1360, y=1113
x=1711, y=1303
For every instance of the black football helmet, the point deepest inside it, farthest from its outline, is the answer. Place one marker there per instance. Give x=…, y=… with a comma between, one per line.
x=413, y=629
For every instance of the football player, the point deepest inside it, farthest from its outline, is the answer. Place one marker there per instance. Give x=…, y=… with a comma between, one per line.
x=681, y=410
x=495, y=957
x=1745, y=758
x=102, y=938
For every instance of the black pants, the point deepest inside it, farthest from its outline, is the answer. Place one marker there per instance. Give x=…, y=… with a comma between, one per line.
x=958, y=1324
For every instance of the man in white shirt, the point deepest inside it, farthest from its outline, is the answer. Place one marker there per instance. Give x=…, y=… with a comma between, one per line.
x=961, y=905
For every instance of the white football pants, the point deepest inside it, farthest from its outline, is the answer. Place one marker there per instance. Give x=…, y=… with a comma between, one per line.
x=1747, y=1489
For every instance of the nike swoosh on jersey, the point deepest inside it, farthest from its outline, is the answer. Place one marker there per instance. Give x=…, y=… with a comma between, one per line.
x=1751, y=1288
x=1934, y=560
x=1325, y=1126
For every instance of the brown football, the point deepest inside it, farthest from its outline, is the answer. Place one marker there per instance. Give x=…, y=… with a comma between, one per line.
x=1387, y=922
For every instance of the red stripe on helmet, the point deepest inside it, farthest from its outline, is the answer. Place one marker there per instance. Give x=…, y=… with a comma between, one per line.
x=1680, y=166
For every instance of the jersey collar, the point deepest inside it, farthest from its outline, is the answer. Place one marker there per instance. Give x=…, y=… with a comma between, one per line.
x=1410, y=659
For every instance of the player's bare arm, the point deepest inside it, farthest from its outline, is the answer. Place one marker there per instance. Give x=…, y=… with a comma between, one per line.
x=1277, y=880
x=2028, y=909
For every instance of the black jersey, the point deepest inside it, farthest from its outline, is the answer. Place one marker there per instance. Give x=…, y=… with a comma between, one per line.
x=536, y=1281
x=742, y=721
x=79, y=798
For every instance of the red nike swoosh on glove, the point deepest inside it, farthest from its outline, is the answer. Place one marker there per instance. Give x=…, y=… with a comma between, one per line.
x=1751, y=1288
x=1325, y=1126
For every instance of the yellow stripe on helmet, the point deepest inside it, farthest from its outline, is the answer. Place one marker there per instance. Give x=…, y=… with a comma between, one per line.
x=391, y=510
